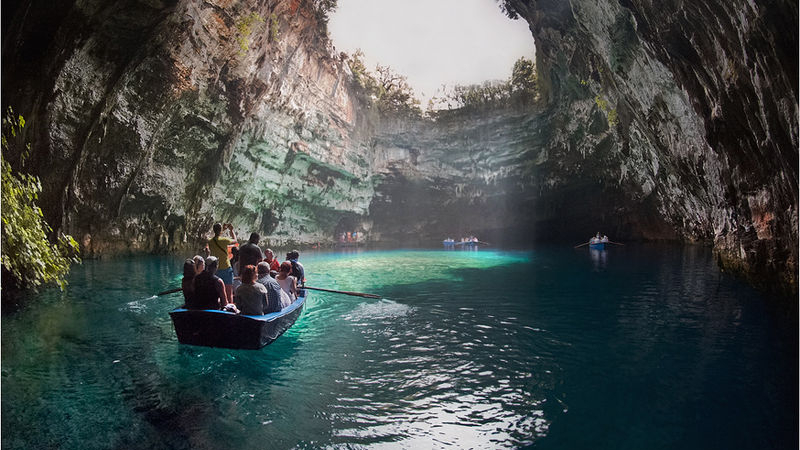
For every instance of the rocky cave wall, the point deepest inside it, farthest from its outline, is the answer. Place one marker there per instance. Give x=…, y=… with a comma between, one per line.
x=504, y=175
x=152, y=120
x=701, y=99
x=657, y=120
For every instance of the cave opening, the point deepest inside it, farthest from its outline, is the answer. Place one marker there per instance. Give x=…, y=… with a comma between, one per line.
x=438, y=50
x=471, y=74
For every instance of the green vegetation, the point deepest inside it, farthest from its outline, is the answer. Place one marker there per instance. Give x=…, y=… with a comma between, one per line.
x=361, y=75
x=385, y=89
x=611, y=113
x=479, y=95
x=274, y=27
x=323, y=8
x=390, y=92
x=26, y=252
x=613, y=120
x=508, y=9
x=519, y=90
x=244, y=27
x=523, y=78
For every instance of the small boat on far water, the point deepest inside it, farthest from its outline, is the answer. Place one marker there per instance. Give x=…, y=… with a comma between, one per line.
x=469, y=242
x=214, y=328
x=598, y=242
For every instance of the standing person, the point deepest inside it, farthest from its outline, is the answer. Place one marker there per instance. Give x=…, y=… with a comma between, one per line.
x=209, y=290
x=250, y=253
x=287, y=282
x=235, y=261
x=251, y=297
x=297, y=269
x=218, y=246
x=269, y=257
x=274, y=292
x=237, y=280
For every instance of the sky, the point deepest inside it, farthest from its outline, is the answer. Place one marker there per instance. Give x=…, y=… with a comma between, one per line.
x=432, y=42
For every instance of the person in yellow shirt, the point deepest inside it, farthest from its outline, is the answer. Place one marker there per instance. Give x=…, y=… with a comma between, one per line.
x=218, y=246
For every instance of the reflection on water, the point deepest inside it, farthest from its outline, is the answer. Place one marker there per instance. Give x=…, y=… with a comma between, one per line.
x=623, y=348
x=599, y=258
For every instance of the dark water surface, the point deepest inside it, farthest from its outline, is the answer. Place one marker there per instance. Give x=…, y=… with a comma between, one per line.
x=639, y=347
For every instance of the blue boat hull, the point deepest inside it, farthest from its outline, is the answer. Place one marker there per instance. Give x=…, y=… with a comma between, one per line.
x=213, y=328
x=598, y=246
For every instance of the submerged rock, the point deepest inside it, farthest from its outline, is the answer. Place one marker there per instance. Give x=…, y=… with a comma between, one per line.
x=657, y=120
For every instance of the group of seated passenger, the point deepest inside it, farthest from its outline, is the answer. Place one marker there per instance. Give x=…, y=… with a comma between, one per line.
x=261, y=291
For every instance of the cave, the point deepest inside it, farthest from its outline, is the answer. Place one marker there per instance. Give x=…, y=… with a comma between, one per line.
x=474, y=309
x=150, y=120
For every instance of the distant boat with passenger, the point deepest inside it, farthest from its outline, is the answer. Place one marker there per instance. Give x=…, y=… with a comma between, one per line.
x=216, y=328
x=470, y=242
x=598, y=242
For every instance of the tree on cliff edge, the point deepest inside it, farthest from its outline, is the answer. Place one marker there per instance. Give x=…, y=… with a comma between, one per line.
x=524, y=81
x=29, y=259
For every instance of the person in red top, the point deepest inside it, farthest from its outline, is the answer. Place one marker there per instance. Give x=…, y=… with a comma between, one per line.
x=269, y=257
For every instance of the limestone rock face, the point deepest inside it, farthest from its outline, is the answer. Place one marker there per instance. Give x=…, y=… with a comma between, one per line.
x=701, y=101
x=150, y=120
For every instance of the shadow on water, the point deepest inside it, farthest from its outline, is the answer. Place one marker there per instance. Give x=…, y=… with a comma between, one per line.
x=196, y=397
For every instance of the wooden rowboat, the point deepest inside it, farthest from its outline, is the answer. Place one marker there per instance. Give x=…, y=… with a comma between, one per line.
x=214, y=328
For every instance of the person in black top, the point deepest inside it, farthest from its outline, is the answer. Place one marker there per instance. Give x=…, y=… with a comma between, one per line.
x=250, y=254
x=234, y=261
x=187, y=283
x=297, y=269
x=209, y=290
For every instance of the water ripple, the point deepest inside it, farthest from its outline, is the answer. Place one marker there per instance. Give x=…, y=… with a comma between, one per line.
x=563, y=355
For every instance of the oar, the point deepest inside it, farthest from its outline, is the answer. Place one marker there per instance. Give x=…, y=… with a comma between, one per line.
x=171, y=291
x=617, y=243
x=357, y=294
x=585, y=243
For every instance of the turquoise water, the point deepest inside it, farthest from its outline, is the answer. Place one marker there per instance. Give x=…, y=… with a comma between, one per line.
x=633, y=348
